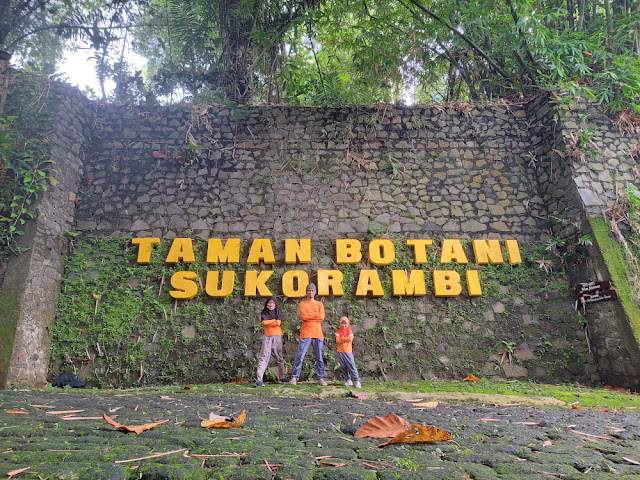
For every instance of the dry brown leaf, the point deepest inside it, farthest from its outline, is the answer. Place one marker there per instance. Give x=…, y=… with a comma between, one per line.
x=64, y=412
x=137, y=429
x=426, y=404
x=17, y=412
x=224, y=422
x=420, y=434
x=383, y=427
x=415, y=400
x=488, y=419
x=471, y=378
x=16, y=472
x=332, y=464
x=547, y=443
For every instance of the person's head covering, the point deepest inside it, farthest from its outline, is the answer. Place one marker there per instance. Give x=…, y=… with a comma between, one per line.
x=271, y=314
x=312, y=286
x=347, y=320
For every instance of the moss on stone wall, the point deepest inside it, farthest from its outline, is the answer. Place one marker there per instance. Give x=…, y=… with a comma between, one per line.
x=138, y=334
x=616, y=263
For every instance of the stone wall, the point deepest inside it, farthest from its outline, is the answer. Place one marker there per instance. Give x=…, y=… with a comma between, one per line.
x=31, y=284
x=301, y=172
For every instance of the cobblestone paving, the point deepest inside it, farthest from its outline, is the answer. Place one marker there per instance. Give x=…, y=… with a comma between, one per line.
x=305, y=438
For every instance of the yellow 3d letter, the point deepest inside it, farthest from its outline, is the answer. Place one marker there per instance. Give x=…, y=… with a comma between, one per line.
x=181, y=249
x=487, y=251
x=446, y=283
x=369, y=281
x=261, y=251
x=295, y=252
x=452, y=251
x=381, y=252
x=412, y=286
x=213, y=278
x=185, y=287
x=348, y=251
x=513, y=251
x=473, y=283
x=294, y=283
x=144, y=248
x=229, y=253
x=330, y=281
x=255, y=284
x=419, y=249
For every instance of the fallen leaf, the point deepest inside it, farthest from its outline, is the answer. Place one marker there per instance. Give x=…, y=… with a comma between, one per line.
x=575, y=407
x=471, y=378
x=631, y=461
x=224, y=422
x=426, y=404
x=159, y=154
x=115, y=409
x=64, y=412
x=332, y=464
x=616, y=389
x=615, y=429
x=420, y=434
x=17, y=412
x=529, y=424
x=415, y=400
x=608, y=437
x=16, y=472
x=383, y=427
x=488, y=419
x=137, y=429
x=547, y=443
x=466, y=475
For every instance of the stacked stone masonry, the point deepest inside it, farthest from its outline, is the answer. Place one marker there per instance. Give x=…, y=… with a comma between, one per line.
x=290, y=172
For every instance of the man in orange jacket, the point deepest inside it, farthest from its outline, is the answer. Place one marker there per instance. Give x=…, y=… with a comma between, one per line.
x=312, y=315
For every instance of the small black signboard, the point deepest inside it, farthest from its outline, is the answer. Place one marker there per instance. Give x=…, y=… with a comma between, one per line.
x=593, y=292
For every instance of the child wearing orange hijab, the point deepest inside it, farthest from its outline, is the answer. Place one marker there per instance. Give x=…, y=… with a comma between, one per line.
x=344, y=339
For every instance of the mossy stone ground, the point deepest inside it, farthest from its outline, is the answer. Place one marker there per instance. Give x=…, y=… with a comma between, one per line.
x=306, y=432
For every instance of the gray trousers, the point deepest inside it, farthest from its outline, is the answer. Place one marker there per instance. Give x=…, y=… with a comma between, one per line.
x=348, y=366
x=272, y=344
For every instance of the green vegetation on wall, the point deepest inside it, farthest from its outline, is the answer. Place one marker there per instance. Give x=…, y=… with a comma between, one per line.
x=614, y=256
x=117, y=324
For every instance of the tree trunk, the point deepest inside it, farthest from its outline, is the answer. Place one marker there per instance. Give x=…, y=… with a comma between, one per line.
x=237, y=21
x=581, y=9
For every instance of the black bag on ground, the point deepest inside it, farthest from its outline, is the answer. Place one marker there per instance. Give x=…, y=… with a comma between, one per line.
x=70, y=379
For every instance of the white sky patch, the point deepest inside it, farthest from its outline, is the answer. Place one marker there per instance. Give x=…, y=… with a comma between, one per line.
x=79, y=68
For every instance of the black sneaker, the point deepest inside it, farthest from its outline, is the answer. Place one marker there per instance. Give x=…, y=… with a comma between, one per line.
x=259, y=384
x=283, y=380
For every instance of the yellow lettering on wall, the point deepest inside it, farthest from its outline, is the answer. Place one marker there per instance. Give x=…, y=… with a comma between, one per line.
x=513, y=251
x=184, y=285
x=255, y=283
x=419, y=249
x=144, y=248
x=181, y=249
x=446, y=283
x=261, y=251
x=414, y=285
x=348, y=251
x=487, y=251
x=369, y=282
x=473, y=283
x=381, y=252
x=330, y=281
x=452, y=252
x=290, y=279
x=213, y=278
x=229, y=253
x=295, y=252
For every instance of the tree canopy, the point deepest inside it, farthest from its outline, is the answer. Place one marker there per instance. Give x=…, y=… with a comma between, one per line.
x=336, y=52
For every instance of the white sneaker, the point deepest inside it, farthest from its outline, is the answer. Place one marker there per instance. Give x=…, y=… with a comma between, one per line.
x=322, y=382
x=358, y=385
x=348, y=383
x=293, y=381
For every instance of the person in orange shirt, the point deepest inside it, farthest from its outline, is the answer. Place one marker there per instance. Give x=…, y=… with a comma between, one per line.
x=312, y=315
x=344, y=340
x=272, y=340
